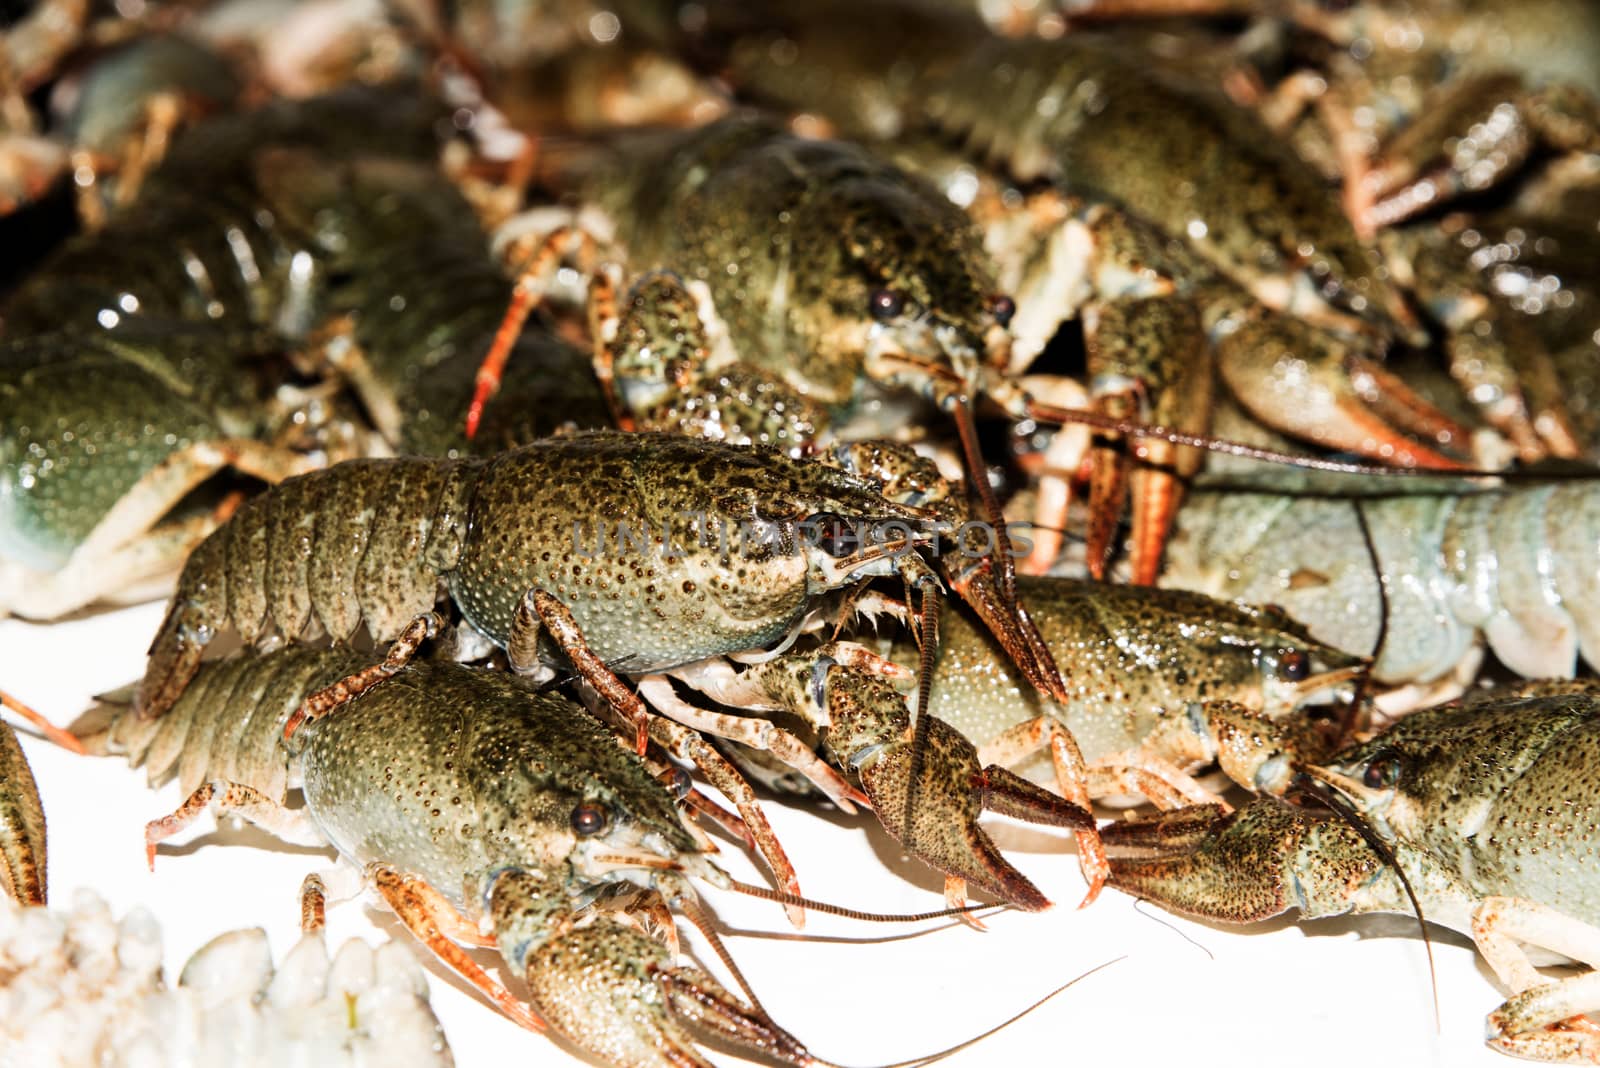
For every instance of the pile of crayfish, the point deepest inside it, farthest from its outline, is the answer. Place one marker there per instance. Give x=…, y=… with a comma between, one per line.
x=588, y=466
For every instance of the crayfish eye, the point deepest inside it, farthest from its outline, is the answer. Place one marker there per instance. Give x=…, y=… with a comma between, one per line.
x=1383, y=771
x=1003, y=308
x=831, y=533
x=886, y=304
x=588, y=820
x=676, y=780
x=1294, y=665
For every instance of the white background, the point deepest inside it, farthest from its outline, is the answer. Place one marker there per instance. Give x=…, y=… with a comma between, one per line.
x=1331, y=993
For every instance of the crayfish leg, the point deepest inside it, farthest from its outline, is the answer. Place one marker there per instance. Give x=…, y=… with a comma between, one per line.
x=1543, y=1019
x=1057, y=468
x=756, y=733
x=293, y=826
x=955, y=897
x=526, y=295
x=682, y=742
x=604, y=327
x=1072, y=779
x=540, y=609
x=64, y=738
x=333, y=697
x=427, y=915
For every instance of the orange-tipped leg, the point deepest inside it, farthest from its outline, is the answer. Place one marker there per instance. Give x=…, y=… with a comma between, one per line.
x=603, y=325
x=689, y=745
x=427, y=916
x=1108, y=495
x=1054, y=470
x=1142, y=476
x=1157, y=491
x=955, y=897
x=526, y=295
x=64, y=738
x=233, y=799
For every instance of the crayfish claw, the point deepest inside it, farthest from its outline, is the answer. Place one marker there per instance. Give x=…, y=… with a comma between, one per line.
x=1319, y=386
x=1243, y=867
x=943, y=828
x=700, y=998
x=614, y=992
x=1150, y=362
x=1010, y=794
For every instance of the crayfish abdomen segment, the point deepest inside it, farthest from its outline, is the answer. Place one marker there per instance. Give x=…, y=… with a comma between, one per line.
x=364, y=541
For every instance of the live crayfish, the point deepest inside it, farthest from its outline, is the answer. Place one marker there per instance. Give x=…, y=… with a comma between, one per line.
x=1135, y=662
x=494, y=529
x=421, y=293
x=90, y=476
x=1142, y=668
x=868, y=276
x=480, y=811
x=1488, y=810
x=1030, y=103
x=868, y=282
x=1460, y=567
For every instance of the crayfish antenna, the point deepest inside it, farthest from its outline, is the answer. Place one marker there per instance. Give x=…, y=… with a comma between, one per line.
x=1228, y=447
x=933, y=1058
x=928, y=644
x=978, y=476
x=782, y=898
x=1329, y=796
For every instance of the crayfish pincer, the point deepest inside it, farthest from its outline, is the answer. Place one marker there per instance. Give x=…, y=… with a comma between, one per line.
x=1479, y=815
x=481, y=812
x=864, y=728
